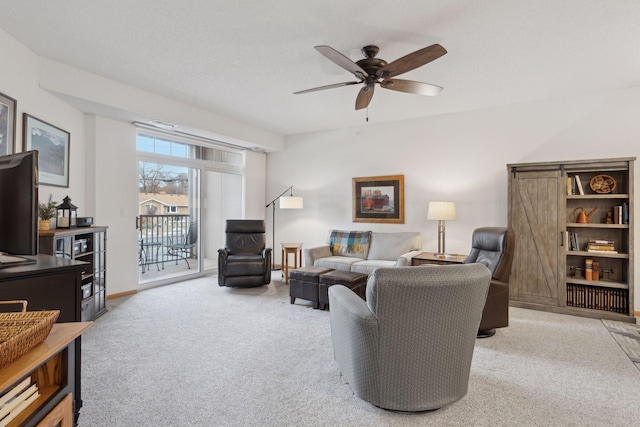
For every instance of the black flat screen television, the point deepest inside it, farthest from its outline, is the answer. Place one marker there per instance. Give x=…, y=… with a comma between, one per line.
x=19, y=203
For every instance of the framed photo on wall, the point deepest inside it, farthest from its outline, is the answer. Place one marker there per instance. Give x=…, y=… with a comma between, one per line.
x=379, y=199
x=52, y=144
x=7, y=124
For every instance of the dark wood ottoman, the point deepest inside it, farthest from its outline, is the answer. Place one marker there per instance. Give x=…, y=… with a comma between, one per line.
x=357, y=282
x=303, y=283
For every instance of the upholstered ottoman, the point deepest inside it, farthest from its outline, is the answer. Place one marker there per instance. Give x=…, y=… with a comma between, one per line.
x=357, y=282
x=303, y=283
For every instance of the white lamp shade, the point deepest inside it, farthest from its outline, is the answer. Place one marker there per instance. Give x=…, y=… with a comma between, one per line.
x=442, y=211
x=290, y=202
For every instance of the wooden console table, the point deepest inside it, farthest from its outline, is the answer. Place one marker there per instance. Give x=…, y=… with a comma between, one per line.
x=51, y=283
x=433, y=258
x=50, y=366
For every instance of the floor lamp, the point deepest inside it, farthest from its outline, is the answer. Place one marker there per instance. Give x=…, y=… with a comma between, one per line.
x=441, y=211
x=286, y=202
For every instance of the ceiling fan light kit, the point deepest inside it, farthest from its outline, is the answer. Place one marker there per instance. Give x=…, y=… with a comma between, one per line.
x=372, y=70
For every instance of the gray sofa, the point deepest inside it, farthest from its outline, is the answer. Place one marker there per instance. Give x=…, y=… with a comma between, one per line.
x=364, y=251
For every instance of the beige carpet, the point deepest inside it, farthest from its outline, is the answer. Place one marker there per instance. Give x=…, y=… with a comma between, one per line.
x=195, y=354
x=628, y=338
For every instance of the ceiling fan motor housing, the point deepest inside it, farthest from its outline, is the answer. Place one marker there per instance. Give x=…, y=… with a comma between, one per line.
x=371, y=64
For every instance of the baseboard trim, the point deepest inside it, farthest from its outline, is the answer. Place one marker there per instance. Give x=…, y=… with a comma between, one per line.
x=122, y=294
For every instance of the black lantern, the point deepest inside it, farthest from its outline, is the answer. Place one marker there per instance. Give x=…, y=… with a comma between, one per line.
x=67, y=214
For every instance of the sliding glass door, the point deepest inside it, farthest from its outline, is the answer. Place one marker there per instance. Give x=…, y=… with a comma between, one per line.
x=185, y=194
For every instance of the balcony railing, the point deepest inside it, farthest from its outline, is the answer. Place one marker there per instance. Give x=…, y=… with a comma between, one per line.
x=156, y=234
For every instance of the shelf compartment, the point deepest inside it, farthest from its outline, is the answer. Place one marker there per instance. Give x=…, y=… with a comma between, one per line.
x=595, y=225
x=597, y=254
x=597, y=196
x=601, y=283
x=598, y=298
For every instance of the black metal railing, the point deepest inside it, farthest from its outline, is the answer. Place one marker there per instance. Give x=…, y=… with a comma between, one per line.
x=156, y=235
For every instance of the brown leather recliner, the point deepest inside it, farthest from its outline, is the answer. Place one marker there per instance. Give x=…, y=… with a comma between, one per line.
x=493, y=247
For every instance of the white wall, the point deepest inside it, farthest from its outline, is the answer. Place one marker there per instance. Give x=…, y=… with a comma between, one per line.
x=254, y=185
x=19, y=80
x=459, y=157
x=103, y=164
x=115, y=194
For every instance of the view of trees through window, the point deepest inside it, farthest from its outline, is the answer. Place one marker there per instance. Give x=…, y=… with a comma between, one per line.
x=158, y=178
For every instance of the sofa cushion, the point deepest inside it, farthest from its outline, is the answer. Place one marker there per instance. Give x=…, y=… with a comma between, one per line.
x=336, y=262
x=367, y=267
x=389, y=246
x=354, y=244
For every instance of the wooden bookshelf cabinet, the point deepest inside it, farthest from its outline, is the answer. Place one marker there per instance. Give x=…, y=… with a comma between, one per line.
x=50, y=365
x=549, y=272
x=88, y=244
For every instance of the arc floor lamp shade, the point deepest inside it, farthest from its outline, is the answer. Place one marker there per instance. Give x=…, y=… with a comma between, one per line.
x=286, y=202
x=291, y=202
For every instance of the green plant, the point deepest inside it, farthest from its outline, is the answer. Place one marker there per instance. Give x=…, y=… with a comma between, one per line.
x=47, y=210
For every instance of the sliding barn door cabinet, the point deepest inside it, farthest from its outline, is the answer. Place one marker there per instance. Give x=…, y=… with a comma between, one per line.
x=573, y=222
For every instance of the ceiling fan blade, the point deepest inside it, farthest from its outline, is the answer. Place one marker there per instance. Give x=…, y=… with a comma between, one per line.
x=409, y=86
x=412, y=61
x=342, y=61
x=364, y=97
x=326, y=87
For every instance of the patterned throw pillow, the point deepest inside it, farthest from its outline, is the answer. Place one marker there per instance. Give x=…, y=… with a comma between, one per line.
x=354, y=244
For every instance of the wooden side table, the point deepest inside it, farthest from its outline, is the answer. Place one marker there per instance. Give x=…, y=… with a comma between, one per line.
x=432, y=258
x=287, y=249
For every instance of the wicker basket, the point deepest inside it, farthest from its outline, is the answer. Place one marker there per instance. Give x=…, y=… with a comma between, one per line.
x=20, y=332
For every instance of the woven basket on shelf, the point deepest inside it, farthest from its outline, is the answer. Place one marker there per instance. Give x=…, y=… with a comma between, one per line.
x=20, y=332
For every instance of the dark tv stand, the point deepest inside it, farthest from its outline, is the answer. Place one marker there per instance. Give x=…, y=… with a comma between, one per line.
x=50, y=283
x=8, y=260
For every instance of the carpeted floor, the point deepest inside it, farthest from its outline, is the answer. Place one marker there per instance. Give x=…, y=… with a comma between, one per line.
x=195, y=354
x=628, y=338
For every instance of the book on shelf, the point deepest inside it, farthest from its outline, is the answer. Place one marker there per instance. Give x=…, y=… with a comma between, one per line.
x=573, y=237
x=617, y=214
x=571, y=186
x=18, y=409
x=13, y=407
x=609, y=248
x=602, y=251
x=14, y=391
x=579, y=185
x=588, y=269
x=625, y=213
x=601, y=242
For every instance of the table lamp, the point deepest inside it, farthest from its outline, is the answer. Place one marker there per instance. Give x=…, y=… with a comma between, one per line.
x=441, y=211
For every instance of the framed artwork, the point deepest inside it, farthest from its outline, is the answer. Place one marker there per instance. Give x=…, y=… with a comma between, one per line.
x=52, y=144
x=7, y=124
x=379, y=199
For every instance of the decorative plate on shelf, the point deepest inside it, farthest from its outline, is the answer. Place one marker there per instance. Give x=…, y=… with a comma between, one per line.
x=603, y=184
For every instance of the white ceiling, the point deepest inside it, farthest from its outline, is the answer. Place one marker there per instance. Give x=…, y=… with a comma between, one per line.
x=244, y=59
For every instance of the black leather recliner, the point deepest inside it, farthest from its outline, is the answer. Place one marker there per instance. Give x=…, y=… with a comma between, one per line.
x=493, y=247
x=244, y=262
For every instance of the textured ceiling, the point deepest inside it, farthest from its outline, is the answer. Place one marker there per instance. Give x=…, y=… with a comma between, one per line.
x=245, y=59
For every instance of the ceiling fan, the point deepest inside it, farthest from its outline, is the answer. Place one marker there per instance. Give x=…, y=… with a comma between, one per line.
x=372, y=70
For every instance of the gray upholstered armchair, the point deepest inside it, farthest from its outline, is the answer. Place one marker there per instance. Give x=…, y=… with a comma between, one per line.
x=493, y=247
x=409, y=346
x=244, y=261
